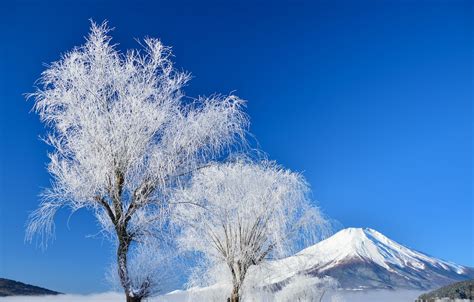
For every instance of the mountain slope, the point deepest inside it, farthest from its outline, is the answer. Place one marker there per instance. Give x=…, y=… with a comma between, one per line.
x=458, y=290
x=15, y=288
x=366, y=259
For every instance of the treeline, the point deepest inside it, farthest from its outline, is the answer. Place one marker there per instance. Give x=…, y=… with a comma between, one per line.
x=459, y=290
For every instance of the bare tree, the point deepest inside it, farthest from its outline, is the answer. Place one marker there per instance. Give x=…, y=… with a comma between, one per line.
x=245, y=213
x=124, y=136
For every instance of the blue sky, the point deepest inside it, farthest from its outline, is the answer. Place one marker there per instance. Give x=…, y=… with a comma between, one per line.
x=371, y=100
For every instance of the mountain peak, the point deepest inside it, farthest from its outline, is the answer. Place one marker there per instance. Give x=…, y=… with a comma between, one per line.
x=367, y=251
x=357, y=234
x=360, y=233
x=370, y=245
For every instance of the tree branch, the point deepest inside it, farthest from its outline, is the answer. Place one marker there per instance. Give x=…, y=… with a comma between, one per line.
x=107, y=208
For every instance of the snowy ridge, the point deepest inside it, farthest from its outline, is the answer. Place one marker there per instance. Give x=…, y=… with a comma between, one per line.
x=368, y=244
x=355, y=254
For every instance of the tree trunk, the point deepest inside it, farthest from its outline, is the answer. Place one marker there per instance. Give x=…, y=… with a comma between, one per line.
x=321, y=298
x=234, y=297
x=122, y=253
x=133, y=299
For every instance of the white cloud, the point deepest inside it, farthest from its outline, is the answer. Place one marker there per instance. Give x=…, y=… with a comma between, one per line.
x=102, y=297
x=379, y=295
x=180, y=296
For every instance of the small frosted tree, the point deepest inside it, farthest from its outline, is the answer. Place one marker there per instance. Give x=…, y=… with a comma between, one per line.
x=243, y=214
x=123, y=136
x=304, y=288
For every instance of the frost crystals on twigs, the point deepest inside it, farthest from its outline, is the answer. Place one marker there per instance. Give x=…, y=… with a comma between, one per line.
x=245, y=213
x=123, y=136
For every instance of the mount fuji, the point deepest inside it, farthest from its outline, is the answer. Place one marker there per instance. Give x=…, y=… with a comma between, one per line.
x=362, y=258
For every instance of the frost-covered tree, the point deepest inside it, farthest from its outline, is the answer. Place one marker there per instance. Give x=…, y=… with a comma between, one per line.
x=304, y=288
x=243, y=214
x=123, y=136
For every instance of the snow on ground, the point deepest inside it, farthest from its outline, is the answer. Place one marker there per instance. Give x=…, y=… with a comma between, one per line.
x=182, y=296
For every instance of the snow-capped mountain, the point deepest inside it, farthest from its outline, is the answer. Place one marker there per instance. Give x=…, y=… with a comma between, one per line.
x=365, y=259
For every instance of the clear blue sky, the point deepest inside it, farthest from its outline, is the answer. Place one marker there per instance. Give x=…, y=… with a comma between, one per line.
x=371, y=100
